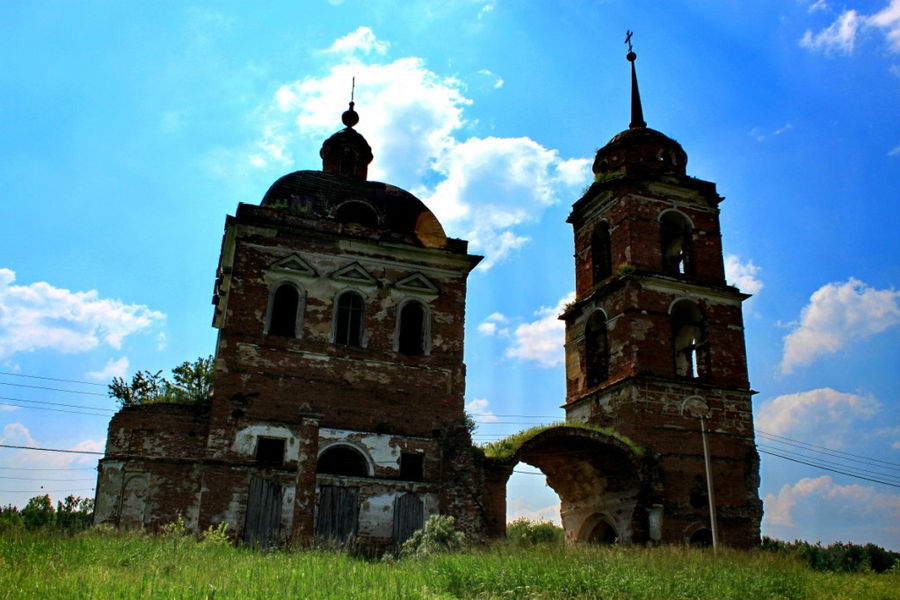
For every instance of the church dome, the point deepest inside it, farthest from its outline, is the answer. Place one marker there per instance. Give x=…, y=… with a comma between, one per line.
x=641, y=148
x=340, y=193
x=347, y=200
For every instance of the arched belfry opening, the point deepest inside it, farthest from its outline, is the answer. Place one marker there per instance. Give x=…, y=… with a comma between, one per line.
x=605, y=487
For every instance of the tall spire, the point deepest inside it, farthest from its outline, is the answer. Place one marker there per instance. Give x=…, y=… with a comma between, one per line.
x=637, y=113
x=350, y=117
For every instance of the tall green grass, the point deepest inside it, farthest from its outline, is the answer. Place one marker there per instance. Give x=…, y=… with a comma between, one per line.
x=104, y=564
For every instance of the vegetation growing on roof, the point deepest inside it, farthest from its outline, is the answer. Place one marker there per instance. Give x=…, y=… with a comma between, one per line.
x=507, y=447
x=191, y=383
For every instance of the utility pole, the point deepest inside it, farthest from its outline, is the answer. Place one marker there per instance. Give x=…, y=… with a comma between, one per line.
x=696, y=407
x=710, y=492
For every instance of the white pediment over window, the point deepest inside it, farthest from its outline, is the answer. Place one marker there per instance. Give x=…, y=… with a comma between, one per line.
x=417, y=284
x=354, y=273
x=293, y=265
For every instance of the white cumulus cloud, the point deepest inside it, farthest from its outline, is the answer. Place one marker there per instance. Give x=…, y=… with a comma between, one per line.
x=888, y=20
x=518, y=508
x=744, y=276
x=841, y=35
x=17, y=434
x=478, y=407
x=494, y=325
x=481, y=189
x=824, y=414
x=113, y=368
x=39, y=316
x=858, y=513
x=542, y=340
x=510, y=181
x=838, y=314
x=361, y=40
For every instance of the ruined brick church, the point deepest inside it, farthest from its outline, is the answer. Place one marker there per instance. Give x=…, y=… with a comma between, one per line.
x=338, y=404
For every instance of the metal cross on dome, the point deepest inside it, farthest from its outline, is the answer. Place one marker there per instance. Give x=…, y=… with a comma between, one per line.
x=628, y=34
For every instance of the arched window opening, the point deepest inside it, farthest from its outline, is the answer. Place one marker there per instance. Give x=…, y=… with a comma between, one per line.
x=412, y=329
x=689, y=340
x=349, y=319
x=342, y=460
x=596, y=342
x=603, y=534
x=702, y=538
x=676, y=235
x=283, y=318
x=601, y=257
x=357, y=212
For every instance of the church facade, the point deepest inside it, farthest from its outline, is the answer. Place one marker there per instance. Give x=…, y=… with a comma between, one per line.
x=338, y=407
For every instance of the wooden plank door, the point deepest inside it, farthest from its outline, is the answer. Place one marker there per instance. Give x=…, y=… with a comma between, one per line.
x=409, y=516
x=337, y=513
x=263, y=523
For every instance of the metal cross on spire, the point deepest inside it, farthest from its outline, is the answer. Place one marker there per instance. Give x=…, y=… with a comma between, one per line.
x=350, y=118
x=637, y=113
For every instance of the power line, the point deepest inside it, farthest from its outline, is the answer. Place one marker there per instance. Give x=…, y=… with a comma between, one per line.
x=53, y=389
x=50, y=449
x=48, y=468
x=829, y=464
x=44, y=479
x=46, y=491
x=52, y=378
x=897, y=485
x=74, y=412
x=82, y=406
x=825, y=449
x=843, y=461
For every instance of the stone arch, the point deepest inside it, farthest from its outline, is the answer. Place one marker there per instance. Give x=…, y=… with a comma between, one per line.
x=357, y=211
x=598, y=529
x=284, y=312
x=343, y=458
x=598, y=476
x=676, y=237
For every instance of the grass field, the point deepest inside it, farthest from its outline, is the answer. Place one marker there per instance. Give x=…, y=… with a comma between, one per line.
x=105, y=564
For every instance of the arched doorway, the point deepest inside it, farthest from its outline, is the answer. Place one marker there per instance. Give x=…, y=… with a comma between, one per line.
x=600, y=532
x=601, y=480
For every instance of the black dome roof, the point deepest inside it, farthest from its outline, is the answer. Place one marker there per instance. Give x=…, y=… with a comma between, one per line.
x=322, y=195
x=641, y=147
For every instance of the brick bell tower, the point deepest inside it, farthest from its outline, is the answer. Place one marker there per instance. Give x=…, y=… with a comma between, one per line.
x=655, y=336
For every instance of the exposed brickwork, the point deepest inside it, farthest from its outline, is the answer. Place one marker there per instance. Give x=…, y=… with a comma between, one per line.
x=644, y=302
x=331, y=417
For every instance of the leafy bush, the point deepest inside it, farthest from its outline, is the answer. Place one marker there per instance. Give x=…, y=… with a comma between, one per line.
x=74, y=513
x=526, y=533
x=38, y=512
x=10, y=519
x=839, y=557
x=216, y=535
x=439, y=535
x=176, y=529
x=191, y=383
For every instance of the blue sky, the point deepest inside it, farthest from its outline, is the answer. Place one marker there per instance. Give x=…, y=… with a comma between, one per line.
x=129, y=130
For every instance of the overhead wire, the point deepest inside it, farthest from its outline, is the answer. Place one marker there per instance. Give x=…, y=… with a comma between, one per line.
x=47, y=402
x=52, y=378
x=74, y=412
x=830, y=464
x=53, y=389
x=42, y=491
